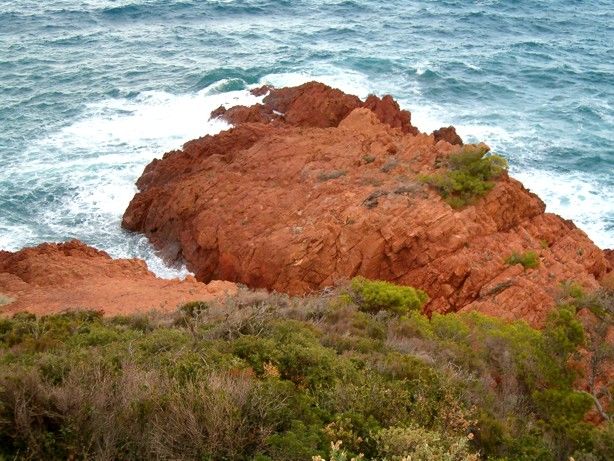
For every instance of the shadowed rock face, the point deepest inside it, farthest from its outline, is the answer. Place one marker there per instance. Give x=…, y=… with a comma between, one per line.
x=314, y=186
x=447, y=134
x=53, y=277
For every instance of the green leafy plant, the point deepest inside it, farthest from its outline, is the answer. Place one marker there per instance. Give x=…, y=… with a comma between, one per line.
x=528, y=259
x=376, y=295
x=469, y=176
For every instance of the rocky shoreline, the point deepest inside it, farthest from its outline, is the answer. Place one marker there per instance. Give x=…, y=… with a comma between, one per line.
x=308, y=189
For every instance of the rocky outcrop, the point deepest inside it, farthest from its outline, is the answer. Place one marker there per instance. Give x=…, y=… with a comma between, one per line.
x=447, y=134
x=312, y=104
x=52, y=277
x=388, y=111
x=315, y=105
x=327, y=189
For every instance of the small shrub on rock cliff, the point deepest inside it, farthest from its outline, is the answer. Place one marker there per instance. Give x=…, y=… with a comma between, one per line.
x=328, y=175
x=528, y=259
x=563, y=332
x=469, y=176
x=376, y=295
x=563, y=412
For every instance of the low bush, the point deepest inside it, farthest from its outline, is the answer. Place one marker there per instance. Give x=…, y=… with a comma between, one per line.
x=469, y=175
x=376, y=295
x=267, y=377
x=417, y=443
x=528, y=259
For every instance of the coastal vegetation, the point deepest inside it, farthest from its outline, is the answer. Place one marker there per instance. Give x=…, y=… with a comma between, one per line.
x=527, y=259
x=354, y=372
x=469, y=175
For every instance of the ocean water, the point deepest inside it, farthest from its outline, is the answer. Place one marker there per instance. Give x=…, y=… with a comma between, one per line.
x=92, y=90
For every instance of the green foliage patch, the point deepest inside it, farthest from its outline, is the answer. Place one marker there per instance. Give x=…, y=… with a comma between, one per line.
x=469, y=176
x=377, y=295
x=528, y=259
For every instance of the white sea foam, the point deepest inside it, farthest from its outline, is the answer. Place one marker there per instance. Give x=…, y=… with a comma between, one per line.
x=425, y=118
x=494, y=136
x=575, y=197
x=97, y=159
x=15, y=237
x=431, y=117
x=422, y=66
x=159, y=118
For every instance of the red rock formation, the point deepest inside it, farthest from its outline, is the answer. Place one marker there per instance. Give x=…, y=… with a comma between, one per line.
x=389, y=112
x=312, y=104
x=317, y=105
x=51, y=277
x=326, y=193
x=447, y=134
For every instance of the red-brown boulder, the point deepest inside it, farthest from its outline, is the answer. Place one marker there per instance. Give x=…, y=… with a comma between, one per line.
x=54, y=277
x=314, y=104
x=311, y=104
x=389, y=112
x=447, y=134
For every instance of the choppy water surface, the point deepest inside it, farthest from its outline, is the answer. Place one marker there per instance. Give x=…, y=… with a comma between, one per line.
x=91, y=91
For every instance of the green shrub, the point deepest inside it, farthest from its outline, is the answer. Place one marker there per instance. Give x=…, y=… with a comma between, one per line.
x=414, y=325
x=563, y=333
x=257, y=352
x=417, y=443
x=449, y=327
x=563, y=412
x=163, y=340
x=469, y=175
x=528, y=259
x=260, y=377
x=298, y=443
x=376, y=295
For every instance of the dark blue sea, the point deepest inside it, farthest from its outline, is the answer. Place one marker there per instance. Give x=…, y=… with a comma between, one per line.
x=93, y=90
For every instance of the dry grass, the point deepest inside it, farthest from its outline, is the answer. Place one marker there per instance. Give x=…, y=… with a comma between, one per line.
x=4, y=300
x=141, y=414
x=252, y=312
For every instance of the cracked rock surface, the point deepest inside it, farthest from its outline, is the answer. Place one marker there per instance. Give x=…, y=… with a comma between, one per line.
x=314, y=186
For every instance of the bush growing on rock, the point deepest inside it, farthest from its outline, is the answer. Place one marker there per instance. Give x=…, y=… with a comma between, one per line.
x=377, y=295
x=469, y=175
x=528, y=259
